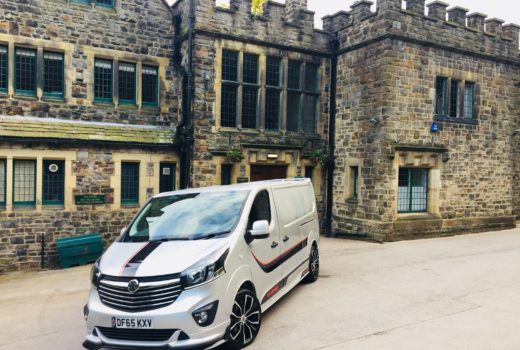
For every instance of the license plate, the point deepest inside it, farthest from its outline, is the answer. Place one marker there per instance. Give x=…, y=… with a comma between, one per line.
x=127, y=322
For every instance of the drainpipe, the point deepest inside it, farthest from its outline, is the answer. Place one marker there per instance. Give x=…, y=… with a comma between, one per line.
x=331, y=161
x=187, y=125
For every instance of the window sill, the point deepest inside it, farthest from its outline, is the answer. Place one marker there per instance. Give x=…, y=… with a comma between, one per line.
x=130, y=205
x=127, y=106
x=153, y=108
x=53, y=99
x=24, y=207
x=104, y=103
x=53, y=206
x=19, y=96
x=442, y=118
x=415, y=216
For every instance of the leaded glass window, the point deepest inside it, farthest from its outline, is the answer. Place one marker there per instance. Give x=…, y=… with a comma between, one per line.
x=127, y=83
x=469, y=100
x=129, y=183
x=441, y=100
x=53, y=182
x=24, y=182
x=150, y=88
x=3, y=172
x=413, y=190
x=250, y=91
x=293, y=110
x=309, y=113
x=103, y=80
x=354, y=174
x=53, y=74
x=454, y=99
x=4, y=68
x=25, y=71
x=294, y=75
x=229, y=97
x=272, y=93
x=105, y=3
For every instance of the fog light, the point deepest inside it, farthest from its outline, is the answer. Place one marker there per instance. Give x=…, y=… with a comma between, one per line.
x=85, y=312
x=206, y=314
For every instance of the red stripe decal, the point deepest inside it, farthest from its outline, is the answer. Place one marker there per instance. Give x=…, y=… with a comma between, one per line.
x=130, y=258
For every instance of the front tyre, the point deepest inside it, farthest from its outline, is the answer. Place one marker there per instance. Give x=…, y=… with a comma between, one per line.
x=245, y=318
x=314, y=265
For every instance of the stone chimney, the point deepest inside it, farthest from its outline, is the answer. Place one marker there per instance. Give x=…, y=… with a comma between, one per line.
x=360, y=10
x=457, y=15
x=294, y=9
x=477, y=21
x=494, y=26
x=437, y=9
x=415, y=6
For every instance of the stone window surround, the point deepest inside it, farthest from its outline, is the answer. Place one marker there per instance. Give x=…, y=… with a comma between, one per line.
x=262, y=52
x=115, y=56
x=424, y=160
x=9, y=155
x=348, y=182
x=14, y=42
x=462, y=79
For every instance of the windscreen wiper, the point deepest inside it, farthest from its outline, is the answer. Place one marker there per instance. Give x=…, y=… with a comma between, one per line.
x=211, y=235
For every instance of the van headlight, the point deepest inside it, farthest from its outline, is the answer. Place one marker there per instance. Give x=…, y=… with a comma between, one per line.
x=204, y=272
x=95, y=274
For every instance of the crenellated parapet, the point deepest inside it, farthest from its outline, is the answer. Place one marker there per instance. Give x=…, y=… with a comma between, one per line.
x=435, y=22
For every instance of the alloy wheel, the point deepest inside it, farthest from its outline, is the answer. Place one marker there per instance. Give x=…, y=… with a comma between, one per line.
x=245, y=319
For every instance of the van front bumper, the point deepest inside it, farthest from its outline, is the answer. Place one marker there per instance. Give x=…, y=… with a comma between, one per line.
x=176, y=318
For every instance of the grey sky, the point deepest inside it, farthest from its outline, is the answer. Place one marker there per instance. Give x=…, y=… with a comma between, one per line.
x=507, y=10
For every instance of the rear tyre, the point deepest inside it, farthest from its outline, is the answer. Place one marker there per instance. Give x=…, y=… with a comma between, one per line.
x=314, y=265
x=245, y=318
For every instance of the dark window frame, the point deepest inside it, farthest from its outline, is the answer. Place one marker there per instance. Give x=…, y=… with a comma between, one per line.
x=302, y=94
x=229, y=91
x=56, y=93
x=48, y=184
x=128, y=200
x=111, y=85
x=22, y=91
x=273, y=92
x=250, y=91
x=451, y=100
x=121, y=87
x=32, y=202
x=144, y=69
x=110, y=4
x=409, y=200
x=4, y=69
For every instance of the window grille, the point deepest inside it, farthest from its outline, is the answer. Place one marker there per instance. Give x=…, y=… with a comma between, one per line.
x=53, y=74
x=129, y=183
x=229, y=65
x=53, y=182
x=127, y=83
x=105, y=3
x=103, y=81
x=24, y=182
x=25, y=71
x=469, y=100
x=250, y=69
x=273, y=71
x=150, y=86
x=4, y=68
x=413, y=190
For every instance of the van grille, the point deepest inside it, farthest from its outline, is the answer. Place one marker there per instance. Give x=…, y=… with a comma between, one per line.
x=137, y=334
x=150, y=295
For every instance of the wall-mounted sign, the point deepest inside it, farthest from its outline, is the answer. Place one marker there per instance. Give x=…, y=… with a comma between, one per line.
x=53, y=168
x=89, y=199
x=242, y=180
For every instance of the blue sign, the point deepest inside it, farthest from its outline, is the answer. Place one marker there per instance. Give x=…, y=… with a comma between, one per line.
x=434, y=128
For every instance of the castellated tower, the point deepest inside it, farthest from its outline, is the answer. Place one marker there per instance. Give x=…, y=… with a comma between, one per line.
x=427, y=105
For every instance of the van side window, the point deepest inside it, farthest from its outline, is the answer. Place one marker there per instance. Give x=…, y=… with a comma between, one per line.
x=261, y=209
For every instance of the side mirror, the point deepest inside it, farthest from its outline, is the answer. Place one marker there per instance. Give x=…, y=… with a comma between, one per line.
x=260, y=230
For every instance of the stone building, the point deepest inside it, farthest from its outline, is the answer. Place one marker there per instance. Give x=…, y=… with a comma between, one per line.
x=406, y=118
x=88, y=109
x=428, y=106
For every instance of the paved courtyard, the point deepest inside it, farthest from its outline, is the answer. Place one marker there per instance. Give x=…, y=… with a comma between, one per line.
x=449, y=293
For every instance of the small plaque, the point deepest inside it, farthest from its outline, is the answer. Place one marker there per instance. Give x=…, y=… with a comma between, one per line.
x=166, y=171
x=53, y=168
x=89, y=199
x=242, y=180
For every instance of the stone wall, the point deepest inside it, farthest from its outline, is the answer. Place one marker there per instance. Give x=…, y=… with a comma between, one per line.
x=391, y=79
x=134, y=31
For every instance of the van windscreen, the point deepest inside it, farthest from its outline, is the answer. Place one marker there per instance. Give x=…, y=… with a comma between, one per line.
x=187, y=216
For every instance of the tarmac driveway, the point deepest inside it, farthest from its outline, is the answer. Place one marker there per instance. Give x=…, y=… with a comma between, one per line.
x=450, y=293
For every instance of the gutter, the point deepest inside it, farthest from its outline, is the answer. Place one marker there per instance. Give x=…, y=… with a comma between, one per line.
x=331, y=154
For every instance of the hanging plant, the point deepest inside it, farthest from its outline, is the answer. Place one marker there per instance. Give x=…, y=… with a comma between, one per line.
x=235, y=155
x=318, y=157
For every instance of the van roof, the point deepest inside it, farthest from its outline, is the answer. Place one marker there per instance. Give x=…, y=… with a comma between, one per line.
x=248, y=186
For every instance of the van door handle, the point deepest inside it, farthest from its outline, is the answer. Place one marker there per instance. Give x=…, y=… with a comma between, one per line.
x=274, y=244
x=286, y=238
